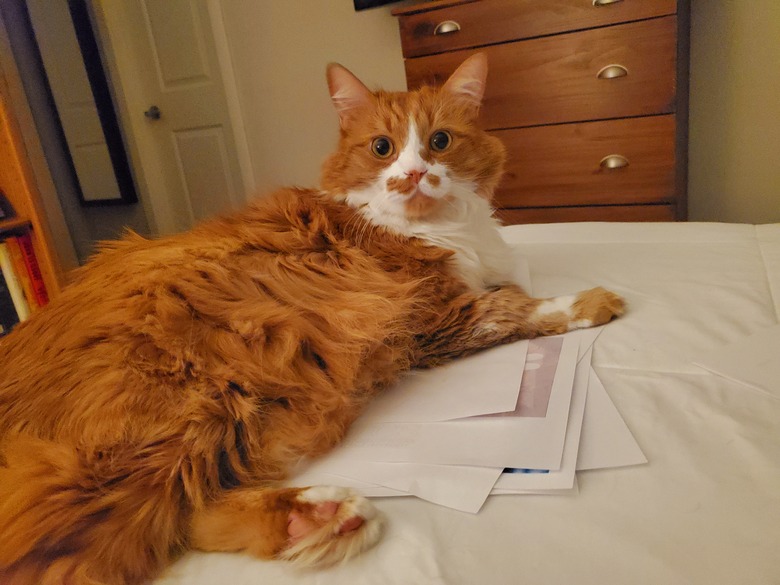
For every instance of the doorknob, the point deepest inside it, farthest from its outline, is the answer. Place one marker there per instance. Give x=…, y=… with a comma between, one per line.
x=153, y=113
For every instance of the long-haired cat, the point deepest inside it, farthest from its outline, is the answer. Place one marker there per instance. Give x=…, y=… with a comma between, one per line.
x=154, y=405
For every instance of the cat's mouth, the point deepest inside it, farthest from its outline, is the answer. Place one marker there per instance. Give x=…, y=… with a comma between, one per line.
x=418, y=205
x=419, y=194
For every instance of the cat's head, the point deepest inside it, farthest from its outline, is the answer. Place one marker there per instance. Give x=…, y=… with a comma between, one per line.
x=409, y=154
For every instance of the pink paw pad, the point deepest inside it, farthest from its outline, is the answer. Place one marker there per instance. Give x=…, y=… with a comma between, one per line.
x=300, y=524
x=328, y=524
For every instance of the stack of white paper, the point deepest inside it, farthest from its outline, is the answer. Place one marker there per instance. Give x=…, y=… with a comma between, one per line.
x=515, y=419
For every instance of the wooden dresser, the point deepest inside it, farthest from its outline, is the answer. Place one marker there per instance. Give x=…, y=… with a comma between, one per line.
x=590, y=98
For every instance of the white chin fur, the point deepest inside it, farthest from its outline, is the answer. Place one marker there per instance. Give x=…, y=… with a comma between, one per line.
x=465, y=224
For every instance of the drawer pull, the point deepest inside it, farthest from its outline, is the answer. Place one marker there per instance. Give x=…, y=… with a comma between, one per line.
x=446, y=28
x=613, y=161
x=612, y=71
x=604, y=2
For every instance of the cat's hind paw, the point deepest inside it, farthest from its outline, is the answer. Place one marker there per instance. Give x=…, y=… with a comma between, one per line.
x=329, y=524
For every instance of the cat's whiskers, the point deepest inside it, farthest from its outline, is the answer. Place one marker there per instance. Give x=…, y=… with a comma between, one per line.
x=357, y=226
x=363, y=233
x=450, y=200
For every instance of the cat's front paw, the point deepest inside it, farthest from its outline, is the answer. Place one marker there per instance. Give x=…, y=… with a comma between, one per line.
x=596, y=306
x=328, y=524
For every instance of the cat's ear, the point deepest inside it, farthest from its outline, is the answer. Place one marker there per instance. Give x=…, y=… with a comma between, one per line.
x=347, y=92
x=468, y=81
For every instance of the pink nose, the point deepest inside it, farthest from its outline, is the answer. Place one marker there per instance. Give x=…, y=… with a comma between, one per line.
x=416, y=175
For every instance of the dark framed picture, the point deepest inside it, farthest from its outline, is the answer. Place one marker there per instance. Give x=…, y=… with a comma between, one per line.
x=80, y=99
x=122, y=190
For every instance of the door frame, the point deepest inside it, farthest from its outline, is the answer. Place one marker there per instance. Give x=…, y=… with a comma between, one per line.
x=225, y=59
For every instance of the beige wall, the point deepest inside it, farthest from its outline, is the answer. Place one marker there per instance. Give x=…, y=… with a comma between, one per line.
x=734, y=152
x=280, y=49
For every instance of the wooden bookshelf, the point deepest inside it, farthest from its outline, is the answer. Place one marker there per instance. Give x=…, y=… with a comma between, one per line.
x=17, y=184
x=14, y=224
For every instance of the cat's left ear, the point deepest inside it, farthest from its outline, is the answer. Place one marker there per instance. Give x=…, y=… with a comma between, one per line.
x=468, y=81
x=347, y=92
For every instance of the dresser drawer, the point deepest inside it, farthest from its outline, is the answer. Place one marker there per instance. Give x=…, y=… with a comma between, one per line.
x=496, y=21
x=555, y=79
x=562, y=165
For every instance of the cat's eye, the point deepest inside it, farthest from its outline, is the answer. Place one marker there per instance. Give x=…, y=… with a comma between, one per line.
x=441, y=140
x=382, y=147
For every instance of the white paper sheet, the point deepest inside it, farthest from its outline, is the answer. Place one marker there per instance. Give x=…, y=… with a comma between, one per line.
x=460, y=487
x=752, y=360
x=606, y=441
x=466, y=488
x=562, y=478
x=534, y=442
x=572, y=491
x=463, y=488
x=587, y=339
x=454, y=390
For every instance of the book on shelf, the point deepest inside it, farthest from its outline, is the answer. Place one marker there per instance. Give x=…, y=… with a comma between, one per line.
x=13, y=284
x=33, y=269
x=27, y=271
x=8, y=316
x=22, y=274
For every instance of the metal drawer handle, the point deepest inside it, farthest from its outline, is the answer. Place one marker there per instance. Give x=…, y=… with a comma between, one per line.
x=447, y=27
x=613, y=161
x=604, y=2
x=612, y=71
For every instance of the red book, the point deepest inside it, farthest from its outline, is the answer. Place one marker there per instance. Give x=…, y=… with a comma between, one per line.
x=33, y=269
x=22, y=274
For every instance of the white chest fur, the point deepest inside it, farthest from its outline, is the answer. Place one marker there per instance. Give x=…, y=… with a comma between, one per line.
x=465, y=226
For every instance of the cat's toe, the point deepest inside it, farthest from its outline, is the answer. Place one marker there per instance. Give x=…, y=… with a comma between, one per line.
x=329, y=524
x=612, y=305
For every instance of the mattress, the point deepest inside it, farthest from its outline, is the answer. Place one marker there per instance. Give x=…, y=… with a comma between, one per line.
x=704, y=509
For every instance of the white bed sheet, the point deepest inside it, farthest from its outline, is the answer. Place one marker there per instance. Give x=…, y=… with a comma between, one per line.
x=705, y=509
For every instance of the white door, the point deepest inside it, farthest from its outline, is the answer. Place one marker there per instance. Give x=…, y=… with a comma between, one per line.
x=170, y=86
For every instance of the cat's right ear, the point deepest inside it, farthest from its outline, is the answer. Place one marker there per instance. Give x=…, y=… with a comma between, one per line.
x=348, y=93
x=468, y=82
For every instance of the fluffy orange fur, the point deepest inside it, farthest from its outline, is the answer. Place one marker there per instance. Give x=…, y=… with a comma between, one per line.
x=151, y=406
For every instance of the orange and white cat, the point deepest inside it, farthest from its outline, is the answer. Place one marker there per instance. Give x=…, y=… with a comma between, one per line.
x=155, y=404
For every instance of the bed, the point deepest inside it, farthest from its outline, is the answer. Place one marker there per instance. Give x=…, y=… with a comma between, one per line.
x=704, y=509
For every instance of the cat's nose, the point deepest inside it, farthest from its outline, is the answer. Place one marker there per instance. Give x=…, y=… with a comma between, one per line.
x=416, y=175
